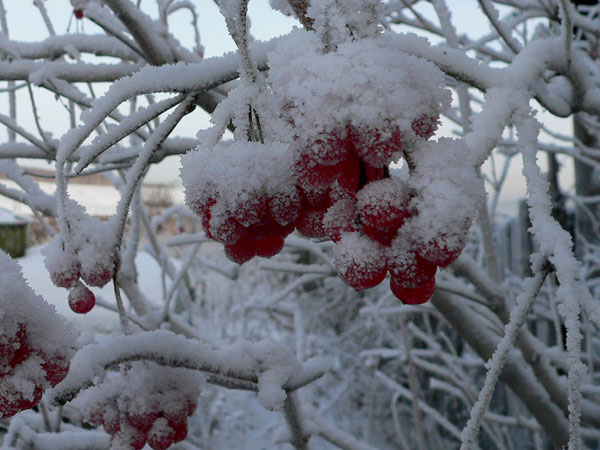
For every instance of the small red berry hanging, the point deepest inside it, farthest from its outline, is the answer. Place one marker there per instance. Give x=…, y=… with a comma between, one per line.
x=81, y=299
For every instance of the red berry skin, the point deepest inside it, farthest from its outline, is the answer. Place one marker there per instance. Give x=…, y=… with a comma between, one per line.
x=384, y=236
x=12, y=402
x=285, y=208
x=269, y=246
x=97, y=276
x=310, y=224
x=440, y=255
x=242, y=251
x=228, y=231
x=81, y=299
x=376, y=147
x=411, y=273
x=425, y=126
x=56, y=369
x=111, y=421
x=252, y=211
x=349, y=178
x=311, y=174
x=161, y=435
x=24, y=350
x=142, y=421
x=66, y=278
x=412, y=296
x=181, y=430
x=78, y=13
x=360, y=279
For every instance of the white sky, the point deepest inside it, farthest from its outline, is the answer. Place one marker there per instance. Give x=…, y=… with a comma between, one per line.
x=25, y=24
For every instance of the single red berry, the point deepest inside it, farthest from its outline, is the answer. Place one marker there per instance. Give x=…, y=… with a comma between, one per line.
x=67, y=277
x=81, y=299
x=242, y=251
x=310, y=224
x=98, y=275
x=78, y=13
x=410, y=270
x=269, y=246
x=285, y=207
x=412, y=296
x=376, y=147
x=181, y=430
x=360, y=277
x=12, y=401
x=161, y=435
x=226, y=231
x=359, y=261
x=251, y=211
x=312, y=174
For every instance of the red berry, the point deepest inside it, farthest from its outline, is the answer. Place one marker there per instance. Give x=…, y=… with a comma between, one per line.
x=142, y=420
x=12, y=401
x=285, y=207
x=410, y=270
x=269, y=246
x=242, y=251
x=56, y=369
x=251, y=211
x=24, y=348
x=425, y=126
x=412, y=296
x=227, y=230
x=181, y=430
x=360, y=262
x=376, y=147
x=311, y=174
x=161, y=435
x=267, y=227
x=97, y=275
x=382, y=235
x=315, y=198
x=349, y=177
x=443, y=251
x=111, y=420
x=81, y=299
x=67, y=277
x=78, y=13
x=310, y=224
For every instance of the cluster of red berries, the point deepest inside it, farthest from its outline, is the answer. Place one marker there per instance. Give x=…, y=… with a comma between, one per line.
x=160, y=426
x=256, y=228
x=20, y=361
x=66, y=270
x=353, y=201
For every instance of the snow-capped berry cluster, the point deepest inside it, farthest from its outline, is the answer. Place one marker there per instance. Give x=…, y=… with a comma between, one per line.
x=244, y=195
x=351, y=104
x=87, y=255
x=148, y=404
x=36, y=344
